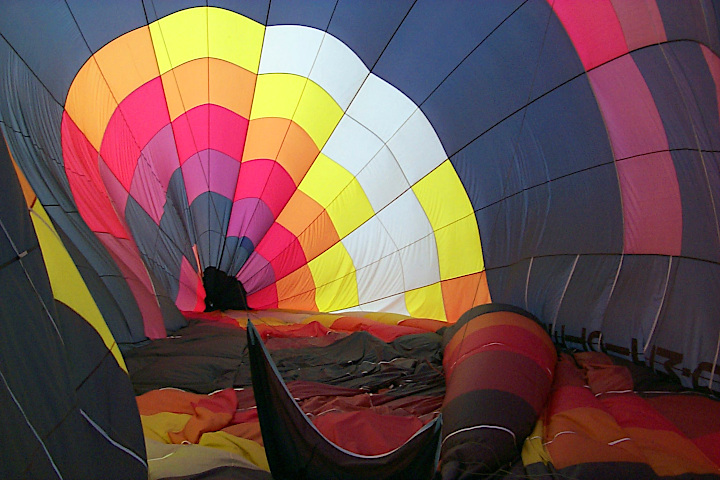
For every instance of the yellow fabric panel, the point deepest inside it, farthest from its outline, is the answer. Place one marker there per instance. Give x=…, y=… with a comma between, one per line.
x=246, y=448
x=334, y=275
x=350, y=209
x=180, y=37
x=318, y=113
x=382, y=317
x=128, y=62
x=451, y=215
x=186, y=87
x=91, y=117
x=235, y=38
x=333, y=187
x=66, y=282
x=426, y=302
x=325, y=181
x=284, y=95
x=533, y=450
x=157, y=426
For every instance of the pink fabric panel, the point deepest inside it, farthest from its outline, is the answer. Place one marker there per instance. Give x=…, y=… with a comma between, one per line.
x=651, y=204
x=282, y=248
x=86, y=184
x=263, y=299
x=593, y=28
x=127, y=258
x=651, y=196
x=191, y=295
x=714, y=65
x=228, y=131
x=210, y=126
x=257, y=273
x=629, y=110
x=145, y=111
x=120, y=150
x=267, y=180
x=641, y=22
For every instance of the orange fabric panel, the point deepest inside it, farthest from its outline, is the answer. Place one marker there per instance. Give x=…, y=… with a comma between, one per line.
x=231, y=87
x=428, y=324
x=296, y=224
x=297, y=289
x=498, y=318
x=186, y=87
x=282, y=140
x=462, y=293
x=319, y=236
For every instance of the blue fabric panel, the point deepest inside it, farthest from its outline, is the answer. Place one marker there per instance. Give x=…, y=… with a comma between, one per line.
x=45, y=36
x=433, y=40
x=498, y=78
x=368, y=26
x=507, y=283
x=684, y=326
x=237, y=252
x=102, y=22
x=546, y=285
x=698, y=175
x=211, y=214
x=314, y=14
x=254, y=9
x=157, y=9
x=692, y=19
x=684, y=92
x=586, y=297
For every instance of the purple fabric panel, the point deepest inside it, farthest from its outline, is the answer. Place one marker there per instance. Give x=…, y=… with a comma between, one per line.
x=147, y=190
x=210, y=170
x=256, y=274
x=161, y=153
x=652, y=209
x=250, y=218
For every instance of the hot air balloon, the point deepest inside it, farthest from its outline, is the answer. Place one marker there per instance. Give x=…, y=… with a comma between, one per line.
x=456, y=190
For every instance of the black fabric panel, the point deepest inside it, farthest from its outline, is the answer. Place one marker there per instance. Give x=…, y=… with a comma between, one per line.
x=103, y=389
x=483, y=450
x=227, y=473
x=296, y=450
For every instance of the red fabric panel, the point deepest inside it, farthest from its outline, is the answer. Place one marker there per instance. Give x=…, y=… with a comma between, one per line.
x=366, y=432
x=87, y=187
x=508, y=338
x=282, y=249
x=504, y=371
x=264, y=299
x=593, y=28
x=312, y=329
x=427, y=324
x=383, y=331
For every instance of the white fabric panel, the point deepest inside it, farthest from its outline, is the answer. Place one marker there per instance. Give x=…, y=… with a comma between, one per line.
x=393, y=304
x=417, y=148
x=382, y=180
x=368, y=243
x=380, y=279
x=381, y=107
x=420, y=263
x=405, y=220
x=352, y=145
x=339, y=71
x=290, y=49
